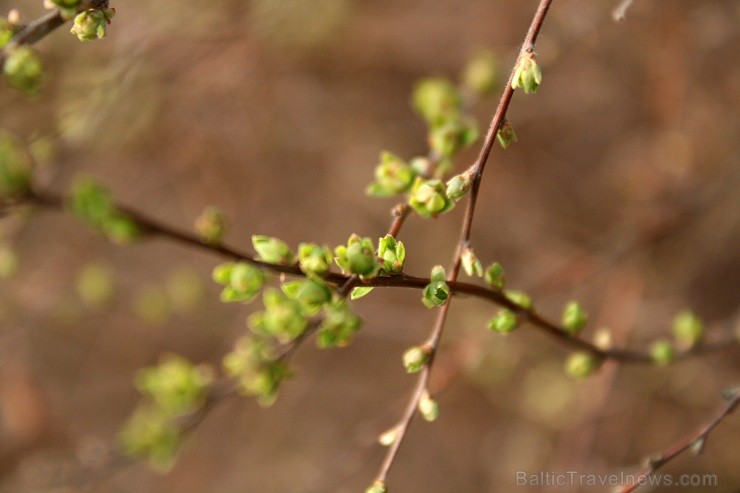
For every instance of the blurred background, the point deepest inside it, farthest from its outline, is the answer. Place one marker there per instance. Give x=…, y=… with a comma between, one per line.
x=621, y=192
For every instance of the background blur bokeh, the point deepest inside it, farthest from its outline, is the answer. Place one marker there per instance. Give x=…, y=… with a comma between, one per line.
x=622, y=193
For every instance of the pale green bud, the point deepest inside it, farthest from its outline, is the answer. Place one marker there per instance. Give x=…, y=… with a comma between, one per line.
x=481, y=73
x=211, y=225
x=428, y=407
x=495, y=276
x=314, y=259
x=662, y=352
x=459, y=185
x=392, y=176
x=272, y=250
x=452, y=136
x=429, y=198
x=688, y=329
x=23, y=70
x=437, y=100
x=416, y=357
x=357, y=257
x=504, y=322
x=506, y=135
x=90, y=24
x=519, y=298
x=528, y=74
x=471, y=263
x=574, y=318
x=388, y=437
x=581, y=365
x=393, y=253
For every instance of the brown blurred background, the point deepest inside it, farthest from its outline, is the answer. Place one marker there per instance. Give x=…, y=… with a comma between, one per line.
x=622, y=193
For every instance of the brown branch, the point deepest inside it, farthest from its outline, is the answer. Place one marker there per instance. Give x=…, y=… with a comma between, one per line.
x=695, y=441
x=476, y=170
x=152, y=228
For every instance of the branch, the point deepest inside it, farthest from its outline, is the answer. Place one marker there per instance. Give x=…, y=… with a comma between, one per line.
x=153, y=228
x=476, y=171
x=695, y=442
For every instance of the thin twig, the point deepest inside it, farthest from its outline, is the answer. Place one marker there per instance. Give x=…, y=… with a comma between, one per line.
x=695, y=441
x=476, y=170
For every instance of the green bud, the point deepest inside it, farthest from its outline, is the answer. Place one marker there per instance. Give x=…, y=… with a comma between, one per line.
x=428, y=407
x=459, y=185
x=7, y=31
x=15, y=168
x=357, y=257
x=581, y=365
x=688, y=329
x=392, y=176
x=120, y=229
x=471, y=263
x=338, y=326
x=24, y=71
x=8, y=262
x=437, y=292
x=506, y=134
x=452, y=136
x=392, y=254
x=92, y=24
x=211, y=225
x=495, y=276
x=421, y=165
x=429, y=198
x=283, y=318
x=359, y=292
x=519, y=298
x=311, y=293
x=95, y=284
x=528, y=74
x=662, y=352
x=388, y=437
x=416, y=357
x=272, y=250
x=481, y=74
x=574, y=318
x=92, y=203
x=438, y=274
x=437, y=100
x=253, y=365
x=222, y=273
x=504, y=322
x=314, y=260
x=175, y=385
x=377, y=487
x=151, y=434
x=242, y=281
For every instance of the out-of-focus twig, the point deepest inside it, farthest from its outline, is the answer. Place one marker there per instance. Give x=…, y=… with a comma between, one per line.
x=695, y=442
